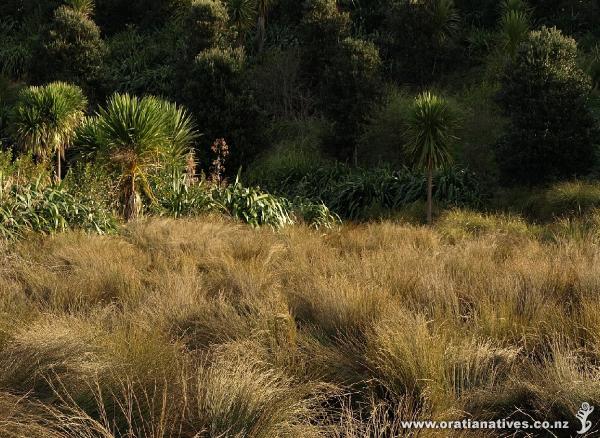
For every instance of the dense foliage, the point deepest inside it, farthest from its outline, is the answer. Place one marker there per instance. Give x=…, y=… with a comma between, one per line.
x=72, y=49
x=30, y=202
x=38, y=207
x=356, y=193
x=544, y=93
x=299, y=89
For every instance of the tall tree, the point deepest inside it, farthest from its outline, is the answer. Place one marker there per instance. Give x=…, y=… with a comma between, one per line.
x=205, y=22
x=73, y=49
x=514, y=25
x=45, y=119
x=545, y=93
x=262, y=8
x=216, y=91
x=420, y=39
x=430, y=126
x=242, y=14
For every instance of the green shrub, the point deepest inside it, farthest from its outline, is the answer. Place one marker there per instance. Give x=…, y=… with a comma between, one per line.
x=177, y=196
x=482, y=125
x=73, y=49
x=16, y=50
x=323, y=26
x=480, y=42
x=141, y=62
x=482, y=13
x=565, y=200
x=544, y=93
x=253, y=206
x=9, y=93
x=45, y=208
x=350, y=84
x=355, y=193
x=215, y=90
x=284, y=162
x=276, y=78
x=322, y=29
x=383, y=136
x=93, y=182
x=204, y=24
x=574, y=18
x=344, y=71
x=315, y=215
x=297, y=152
x=420, y=39
x=591, y=64
x=311, y=185
x=115, y=15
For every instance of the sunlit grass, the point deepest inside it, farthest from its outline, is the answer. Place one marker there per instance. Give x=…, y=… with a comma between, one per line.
x=205, y=327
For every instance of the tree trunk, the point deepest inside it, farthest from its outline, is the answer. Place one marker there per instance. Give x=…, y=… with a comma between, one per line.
x=261, y=33
x=131, y=203
x=429, y=195
x=241, y=37
x=58, y=166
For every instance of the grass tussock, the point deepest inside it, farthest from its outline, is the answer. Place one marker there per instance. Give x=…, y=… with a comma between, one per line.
x=204, y=328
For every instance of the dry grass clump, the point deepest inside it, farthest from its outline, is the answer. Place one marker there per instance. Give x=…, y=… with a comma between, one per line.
x=459, y=224
x=47, y=350
x=413, y=356
x=572, y=197
x=204, y=328
x=78, y=273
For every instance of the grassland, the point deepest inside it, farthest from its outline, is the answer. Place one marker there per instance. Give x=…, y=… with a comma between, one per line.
x=207, y=328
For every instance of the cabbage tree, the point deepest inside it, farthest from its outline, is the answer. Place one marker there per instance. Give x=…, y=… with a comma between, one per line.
x=134, y=137
x=242, y=14
x=262, y=8
x=430, y=126
x=45, y=118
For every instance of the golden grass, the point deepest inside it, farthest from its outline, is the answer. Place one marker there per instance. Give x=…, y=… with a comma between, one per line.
x=203, y=327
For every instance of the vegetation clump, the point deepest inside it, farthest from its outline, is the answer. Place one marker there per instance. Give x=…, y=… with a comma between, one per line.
x=545, y=93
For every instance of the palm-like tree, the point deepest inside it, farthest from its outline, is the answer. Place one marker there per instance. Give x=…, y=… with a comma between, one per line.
x=134, y=137
x=242, y=14
x=45, y=119
x=515, y=5
x=430, y=126
x=262, y=8
x=514, y=28
x=179, y=129
x=85, y=7
x=514, y=25
x=446, y=20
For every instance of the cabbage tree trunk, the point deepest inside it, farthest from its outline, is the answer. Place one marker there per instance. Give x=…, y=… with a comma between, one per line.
x=261, y=27
x=58, y=166
x=429, y=194
x=132, y=202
